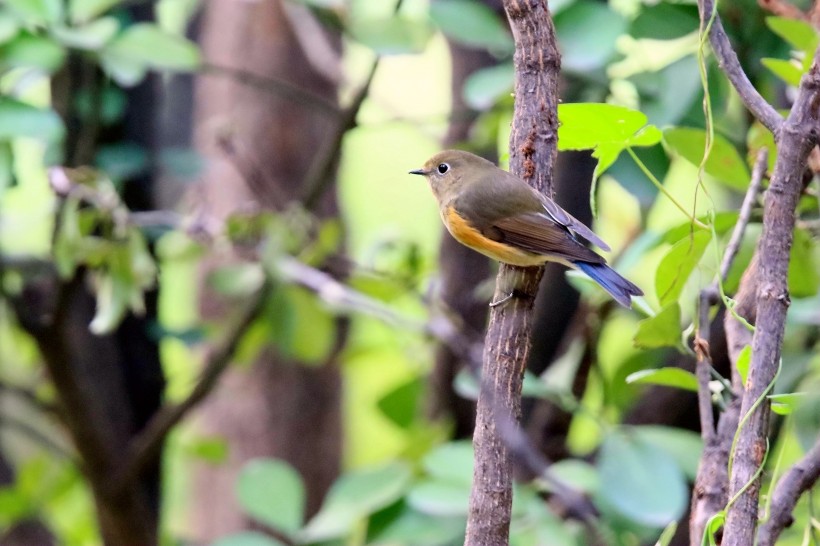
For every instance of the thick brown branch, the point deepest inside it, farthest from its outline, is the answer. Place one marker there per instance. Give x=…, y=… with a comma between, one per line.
x=532, y=157
x=796, y=481
x=730, y=65
x=796, y=138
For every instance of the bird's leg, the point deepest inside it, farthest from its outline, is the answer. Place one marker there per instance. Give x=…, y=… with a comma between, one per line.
x=502, y=301
x=514, y=293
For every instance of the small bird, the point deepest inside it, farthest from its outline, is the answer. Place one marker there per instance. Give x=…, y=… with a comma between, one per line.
x=501, y=216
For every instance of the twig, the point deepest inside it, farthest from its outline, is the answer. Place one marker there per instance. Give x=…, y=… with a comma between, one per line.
x=276, y=86
x=758, y=173
x=796, y=481
x=319, y=176
x=145, y=448
x=38, y=437
x=796, y=137
x=29, y=396
x=730, y=65
x=783, y=9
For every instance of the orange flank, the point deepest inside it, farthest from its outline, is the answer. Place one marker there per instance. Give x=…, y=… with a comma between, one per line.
x=469, y=236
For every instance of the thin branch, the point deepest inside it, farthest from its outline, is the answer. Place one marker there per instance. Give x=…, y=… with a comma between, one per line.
x=796, y=137
x=276, y=86
x=730, y=65
x=29, y=396
x=319, y=176
x=38, y=437
x=796, y=481
x=145, y=447
x=343, y=298
x=783, y=9
x=758, y=173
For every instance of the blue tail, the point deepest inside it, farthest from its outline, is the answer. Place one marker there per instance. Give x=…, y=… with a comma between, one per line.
x=621, y=289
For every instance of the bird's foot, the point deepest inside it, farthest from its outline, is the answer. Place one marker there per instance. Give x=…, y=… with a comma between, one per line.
x=502, y=301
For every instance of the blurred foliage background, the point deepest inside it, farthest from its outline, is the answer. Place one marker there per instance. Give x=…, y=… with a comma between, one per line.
x=185, y=184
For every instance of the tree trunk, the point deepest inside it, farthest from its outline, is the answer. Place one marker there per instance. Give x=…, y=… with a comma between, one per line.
x=260, y=144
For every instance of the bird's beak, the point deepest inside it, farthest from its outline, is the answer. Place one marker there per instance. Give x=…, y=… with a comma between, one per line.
x=418, y=171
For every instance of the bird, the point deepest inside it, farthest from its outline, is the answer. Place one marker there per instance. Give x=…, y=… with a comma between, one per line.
x=499, y=215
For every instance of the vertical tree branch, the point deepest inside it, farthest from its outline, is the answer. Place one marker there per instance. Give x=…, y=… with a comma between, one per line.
x=797, y=136
x=532, y=156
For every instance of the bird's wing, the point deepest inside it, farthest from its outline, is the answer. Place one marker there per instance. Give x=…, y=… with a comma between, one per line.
x=571, y=223
x=541, y=234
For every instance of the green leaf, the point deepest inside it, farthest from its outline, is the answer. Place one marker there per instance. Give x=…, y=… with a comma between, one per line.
x=586, y=34
x=32, y=51
x=639, y=481
x=308, y=331
x=272, y=492
x=486, y=86
x=668, y=377
x=401, y=404
x=113, y=296
x=724, y=163
x=40, y=12
x=604, y=128
x=785, y=404
x=81, y=11
x=414, y=528
x=662, y=330
x=577, y=473
x=92, y=36
x=122, y=160
x=452, y=462
x=742, y=364
x=676, y=267
x=393, y=35
x=18, y=119
x=723, y=222
x=210, y=449
x=472, y=24
x=355, y=496
x=684, y=446
x=804, y=270
x=788, y=71
x=9, y=26
x=145, y=46
x=237, y=280
x=439, y=498
x=248, y=538
x=799, y=34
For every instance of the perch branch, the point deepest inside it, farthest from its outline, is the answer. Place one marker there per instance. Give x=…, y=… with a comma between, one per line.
x=532, y=157
x=796, y=137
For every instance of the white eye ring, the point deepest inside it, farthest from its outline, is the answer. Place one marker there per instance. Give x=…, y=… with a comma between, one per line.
x=443, y=168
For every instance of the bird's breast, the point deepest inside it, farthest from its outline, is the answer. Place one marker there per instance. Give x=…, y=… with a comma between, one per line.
x=465, y=233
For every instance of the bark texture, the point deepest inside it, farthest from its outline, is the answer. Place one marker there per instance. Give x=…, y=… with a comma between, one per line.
x=796, y=138
x=533, y=149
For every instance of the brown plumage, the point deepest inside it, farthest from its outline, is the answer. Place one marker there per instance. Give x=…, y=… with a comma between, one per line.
x=501, y=216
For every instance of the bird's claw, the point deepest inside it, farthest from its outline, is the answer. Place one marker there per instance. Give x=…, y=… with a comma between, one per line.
x=502, y=301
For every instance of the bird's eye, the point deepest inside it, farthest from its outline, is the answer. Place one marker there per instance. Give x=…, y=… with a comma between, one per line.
x=443, y=168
